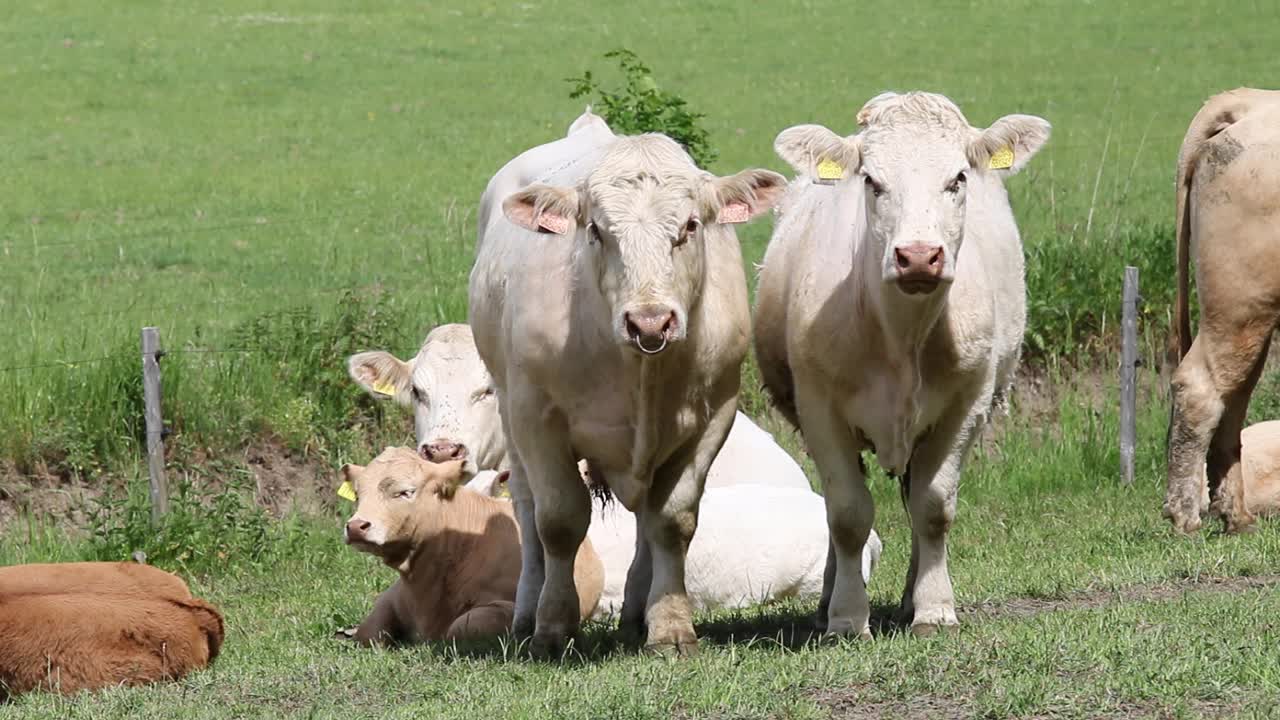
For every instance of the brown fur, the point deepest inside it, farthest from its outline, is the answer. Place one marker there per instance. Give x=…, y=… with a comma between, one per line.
x=457, y=552
x=1228, y=209
x=85, y=626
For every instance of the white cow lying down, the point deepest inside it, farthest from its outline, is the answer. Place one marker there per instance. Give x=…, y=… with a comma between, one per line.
x=456, y=415
x=754, y=544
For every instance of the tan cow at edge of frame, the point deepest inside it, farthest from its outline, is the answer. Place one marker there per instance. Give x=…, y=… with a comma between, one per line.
x=1228, y=215
x=609, y=301
x=889, y=316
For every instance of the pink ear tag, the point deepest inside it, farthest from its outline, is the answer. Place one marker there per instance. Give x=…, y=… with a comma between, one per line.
x=553, y=223
x=733, y=213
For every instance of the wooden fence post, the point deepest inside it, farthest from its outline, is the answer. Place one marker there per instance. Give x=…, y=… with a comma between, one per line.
x=1128, y=374
x=151, y=354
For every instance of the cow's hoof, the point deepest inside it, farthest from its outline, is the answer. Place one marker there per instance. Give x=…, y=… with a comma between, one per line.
x=679, y=639
x=522, y=629
x=345, y=634
x=1185, y=523
x=1239, y=526
x=633, y=633
x=552, y=646
x=925, y=630
x=673, y=650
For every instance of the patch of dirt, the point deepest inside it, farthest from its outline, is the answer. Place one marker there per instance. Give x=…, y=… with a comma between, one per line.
x=48, y=495
x=852, y=704
x=285, y=481
x=282, y=481
x=1029, y=607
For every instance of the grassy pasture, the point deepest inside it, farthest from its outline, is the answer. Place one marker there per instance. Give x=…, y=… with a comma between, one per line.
x=194, y=167
x=286, y=185
x=1076, y=603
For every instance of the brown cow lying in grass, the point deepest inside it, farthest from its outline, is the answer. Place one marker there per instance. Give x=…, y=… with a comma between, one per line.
x=457, y=552
x=68, y=627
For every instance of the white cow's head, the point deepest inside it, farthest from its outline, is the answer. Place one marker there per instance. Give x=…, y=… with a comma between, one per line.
x=455, y=410
x=642, y=219
x=914, y=158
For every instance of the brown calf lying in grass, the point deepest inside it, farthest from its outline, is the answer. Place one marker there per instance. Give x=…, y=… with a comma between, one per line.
x=81, y=626
x=457, y=552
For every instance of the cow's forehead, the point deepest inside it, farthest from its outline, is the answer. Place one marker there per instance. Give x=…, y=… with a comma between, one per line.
x=913, y=149
x=393, y=462
x=443, y=365
x=643, y=178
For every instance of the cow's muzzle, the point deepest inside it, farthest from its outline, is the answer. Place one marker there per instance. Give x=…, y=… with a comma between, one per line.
x=651, y=328
x=919, y=267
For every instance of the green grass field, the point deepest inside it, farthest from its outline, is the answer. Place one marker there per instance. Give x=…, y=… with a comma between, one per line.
x=277, y=187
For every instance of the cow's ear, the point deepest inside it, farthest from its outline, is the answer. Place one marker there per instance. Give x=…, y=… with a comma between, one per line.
x=1009, y=144
x=350, y=471
x=745, y=196
x=543, y=209
x=448, y=478
x=816, y=152
x=382, y=375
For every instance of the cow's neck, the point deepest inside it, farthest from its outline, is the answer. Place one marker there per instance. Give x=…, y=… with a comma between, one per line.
x=905, y=325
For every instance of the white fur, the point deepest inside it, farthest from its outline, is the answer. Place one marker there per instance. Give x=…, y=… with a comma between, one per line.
x=859, y=364
x=545, y=308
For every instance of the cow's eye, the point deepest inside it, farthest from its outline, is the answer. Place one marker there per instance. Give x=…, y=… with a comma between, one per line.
x=482, y=395
x=689, y=230
x=956, y=183
x=406, y=494
x=876, y=188
x=593, y=232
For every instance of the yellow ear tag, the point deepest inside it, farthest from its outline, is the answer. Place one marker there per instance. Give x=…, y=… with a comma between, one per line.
x=346, y=492
x=829, y=171
x=1001, y=159
x=383, y=388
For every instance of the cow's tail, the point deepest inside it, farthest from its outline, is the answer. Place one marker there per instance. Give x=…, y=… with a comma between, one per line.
x=1181, y=308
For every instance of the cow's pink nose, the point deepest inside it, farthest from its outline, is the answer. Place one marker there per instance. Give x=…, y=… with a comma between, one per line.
x=650, y=328
x=919, y=266
x=438, y=451
x=358, y=529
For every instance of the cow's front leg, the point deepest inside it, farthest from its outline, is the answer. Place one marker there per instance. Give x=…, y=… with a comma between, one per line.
x=670, y=518
x=532, y=570
x=933, y=482
x=562, y=511
x=850, y=514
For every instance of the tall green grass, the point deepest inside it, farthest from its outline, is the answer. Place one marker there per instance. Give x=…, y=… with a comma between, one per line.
x=196, y=168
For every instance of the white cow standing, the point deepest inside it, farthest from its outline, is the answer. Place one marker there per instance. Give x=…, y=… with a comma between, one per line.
x=609, y=302
x=755, y=543
x=890, y=313
x=455, y=413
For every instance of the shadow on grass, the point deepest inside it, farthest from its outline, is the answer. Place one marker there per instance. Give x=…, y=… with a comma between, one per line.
x=788, y=625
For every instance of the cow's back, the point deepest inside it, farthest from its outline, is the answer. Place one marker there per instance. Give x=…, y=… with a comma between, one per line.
x=93, y=578
x=751, y=456
x=546, y=163
x=72, y=641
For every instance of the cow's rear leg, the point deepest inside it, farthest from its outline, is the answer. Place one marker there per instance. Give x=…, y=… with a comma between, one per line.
x=935, y=468
x=635, y=597
x=1225, y=476
x=532, y=568
x=850, y=514
x=1211, y=390
x=485, y=621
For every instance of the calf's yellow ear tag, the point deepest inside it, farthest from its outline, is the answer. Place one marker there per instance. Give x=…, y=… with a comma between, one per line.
x=384, y=388
x=829, y=171
x=346, y=492
x=1001, y=159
